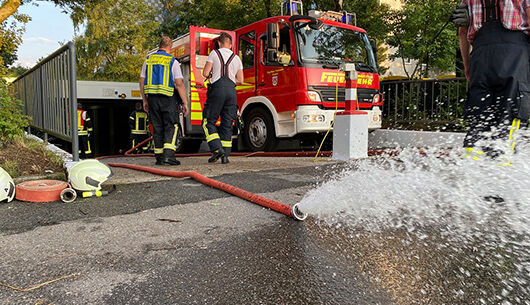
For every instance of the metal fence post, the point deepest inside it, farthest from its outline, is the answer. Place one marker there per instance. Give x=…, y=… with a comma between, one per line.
x=73, y=100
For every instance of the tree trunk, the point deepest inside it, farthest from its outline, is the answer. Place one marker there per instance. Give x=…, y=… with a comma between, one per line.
x=8, y=8
x=268, y=7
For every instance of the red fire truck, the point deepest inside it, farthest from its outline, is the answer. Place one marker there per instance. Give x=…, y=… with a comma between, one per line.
x=291, y=71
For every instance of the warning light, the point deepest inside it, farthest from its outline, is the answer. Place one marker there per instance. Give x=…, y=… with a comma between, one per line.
x=293, y=7
x=123, y=95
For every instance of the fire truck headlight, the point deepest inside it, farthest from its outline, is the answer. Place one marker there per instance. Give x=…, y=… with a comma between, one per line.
x=375, y=99
x=314, y=96
x=314, y=118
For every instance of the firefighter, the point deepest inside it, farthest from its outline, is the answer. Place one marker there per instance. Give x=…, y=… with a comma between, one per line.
x=139, y=127
x=225, y=70
x=498, y=70
x=160, y=75
x=84, y=131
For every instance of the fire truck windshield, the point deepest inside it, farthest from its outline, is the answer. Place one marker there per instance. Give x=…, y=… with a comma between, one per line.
x=331, y=45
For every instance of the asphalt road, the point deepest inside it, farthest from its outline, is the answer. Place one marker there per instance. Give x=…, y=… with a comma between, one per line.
x=178, y=242
x=216, y=249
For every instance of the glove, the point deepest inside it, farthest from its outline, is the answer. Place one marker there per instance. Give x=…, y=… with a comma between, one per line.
x=460, y=16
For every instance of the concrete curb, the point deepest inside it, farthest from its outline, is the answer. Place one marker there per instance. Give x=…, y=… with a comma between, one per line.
x=388, y=138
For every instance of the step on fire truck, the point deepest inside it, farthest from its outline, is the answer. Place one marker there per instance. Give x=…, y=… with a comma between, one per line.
x=291, y=75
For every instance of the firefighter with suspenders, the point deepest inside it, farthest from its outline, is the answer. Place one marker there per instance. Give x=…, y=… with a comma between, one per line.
x=160, y=76
x=138, y=124
x=84, y=131
x=225, y=70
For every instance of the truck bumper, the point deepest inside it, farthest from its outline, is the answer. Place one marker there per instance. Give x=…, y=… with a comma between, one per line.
x=310, y=118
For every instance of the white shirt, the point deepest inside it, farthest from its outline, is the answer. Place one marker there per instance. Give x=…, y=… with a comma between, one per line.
x=175, y=70
x=233, y=68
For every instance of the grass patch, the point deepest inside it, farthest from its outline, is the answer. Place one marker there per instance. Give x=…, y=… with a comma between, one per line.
x=27, y=157
x=11, y=167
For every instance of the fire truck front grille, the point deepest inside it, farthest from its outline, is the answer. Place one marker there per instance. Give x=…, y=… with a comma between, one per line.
x=328, y=94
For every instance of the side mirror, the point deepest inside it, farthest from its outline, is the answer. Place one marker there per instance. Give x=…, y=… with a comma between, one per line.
x=273, y=39
x=373, y=43
x=316, y=25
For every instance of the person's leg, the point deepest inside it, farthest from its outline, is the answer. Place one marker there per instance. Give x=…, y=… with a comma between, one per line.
x=155, y=117
x=82, y=146
x=480, y=97
x=170, y=118
x=212, y=110
x=228, y=115
x=142, y=138
x=514, y=73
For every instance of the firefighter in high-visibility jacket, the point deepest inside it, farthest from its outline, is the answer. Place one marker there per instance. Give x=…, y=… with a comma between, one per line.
x=84, y=131
x=138, y=123
x=226, y=70
x=159, y=78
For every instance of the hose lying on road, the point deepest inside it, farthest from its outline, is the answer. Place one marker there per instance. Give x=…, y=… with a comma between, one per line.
x=293, y=211
x=236, y=154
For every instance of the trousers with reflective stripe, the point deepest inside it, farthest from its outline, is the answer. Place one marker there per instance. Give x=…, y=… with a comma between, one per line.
x=498, y=86
x=163, y=114
x=220, y=102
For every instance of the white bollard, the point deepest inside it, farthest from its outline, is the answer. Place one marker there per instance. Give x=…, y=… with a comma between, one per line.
x=350, y=130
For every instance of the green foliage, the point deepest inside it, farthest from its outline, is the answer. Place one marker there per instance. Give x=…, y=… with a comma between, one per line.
x=16, y=71
x=230, y=15
x=11, y=167
x=10, y=38
x=117, y=36
x=414, y=28
x=12, y=121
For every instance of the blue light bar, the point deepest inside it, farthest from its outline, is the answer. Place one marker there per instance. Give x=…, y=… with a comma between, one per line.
x=346, y=18
x=291, y=8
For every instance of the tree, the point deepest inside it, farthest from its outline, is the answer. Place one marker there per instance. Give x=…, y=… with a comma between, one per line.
x=9, y=7
x=116, y=39
x=421, y=32
x=17, y=71
x=10, y=38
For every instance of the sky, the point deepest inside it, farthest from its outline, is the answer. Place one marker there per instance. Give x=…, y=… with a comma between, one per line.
x=48, y=27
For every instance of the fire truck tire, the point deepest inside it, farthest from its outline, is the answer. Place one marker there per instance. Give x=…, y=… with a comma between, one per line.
x=259, y=130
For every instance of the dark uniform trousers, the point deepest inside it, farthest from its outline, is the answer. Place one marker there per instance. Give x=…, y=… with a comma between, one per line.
x=85, y=151
x=499, y=88
x=220, y=102
x=163, y=115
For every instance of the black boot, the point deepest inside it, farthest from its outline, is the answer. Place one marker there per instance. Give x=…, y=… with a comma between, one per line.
x=159, y=159
x=169, y=157
x=224, y=160
x=216, y=155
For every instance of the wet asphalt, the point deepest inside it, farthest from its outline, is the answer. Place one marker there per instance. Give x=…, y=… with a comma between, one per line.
x=16, y=217
x=176, y=242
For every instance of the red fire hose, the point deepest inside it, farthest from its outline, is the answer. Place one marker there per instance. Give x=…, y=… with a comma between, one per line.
x=139, y=145
x=293, y=212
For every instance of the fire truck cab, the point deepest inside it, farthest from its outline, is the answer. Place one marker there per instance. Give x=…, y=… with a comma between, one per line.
x=292, y=82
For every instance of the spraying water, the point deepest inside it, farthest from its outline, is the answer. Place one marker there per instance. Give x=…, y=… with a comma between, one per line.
x=431, y=227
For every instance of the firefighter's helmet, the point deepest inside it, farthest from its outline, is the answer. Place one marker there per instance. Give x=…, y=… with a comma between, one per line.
x=7, y=186
x=88, y=175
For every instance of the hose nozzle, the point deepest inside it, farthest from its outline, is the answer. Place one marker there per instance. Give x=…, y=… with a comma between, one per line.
x=297, y=214
x=68, y=195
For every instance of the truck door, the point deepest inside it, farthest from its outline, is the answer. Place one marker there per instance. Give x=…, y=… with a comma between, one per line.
x=247, y=50
x=277, y=80
x=202, y=42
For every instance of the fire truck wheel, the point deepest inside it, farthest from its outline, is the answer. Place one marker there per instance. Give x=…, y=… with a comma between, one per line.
x=259, y=130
